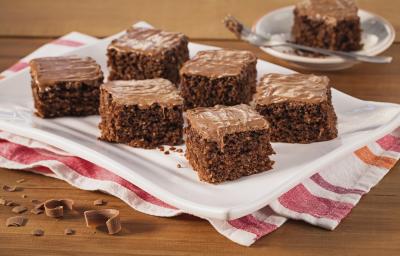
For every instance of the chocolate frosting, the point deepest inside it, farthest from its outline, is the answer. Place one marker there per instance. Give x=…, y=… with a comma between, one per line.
x=218, y=63
x=329, y=10
x=276, y=88
x=49, y=70
x=144, y=92
x=215, y=122
x=146, y=40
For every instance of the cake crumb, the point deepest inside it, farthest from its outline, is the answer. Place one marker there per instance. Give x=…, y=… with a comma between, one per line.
x=20, y=181
x=179, y=165
x=38, y=232
x=24, y=196
x=99, y=202
x=161, y=148
x=179, y=150
x=69, y=231
x=172, y=148
x=11, y=203
x=35, y=201
x=10, y=189
x=166, y=152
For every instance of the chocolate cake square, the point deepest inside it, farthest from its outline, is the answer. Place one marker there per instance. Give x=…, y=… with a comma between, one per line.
x=298, y=107
x=144, y=53
x=65, y=86
x=330, y=24
x=227, y=142
x=141, y=113
x=226, y=77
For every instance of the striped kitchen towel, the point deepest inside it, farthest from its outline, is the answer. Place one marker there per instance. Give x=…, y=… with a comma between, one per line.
x=57, y=47
x=323, y=200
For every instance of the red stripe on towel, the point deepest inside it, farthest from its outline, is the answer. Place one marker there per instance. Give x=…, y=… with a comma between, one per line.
x=318, y=179
x=300, y=200
x=67, y=42
x=25, y=155
x=18, y=66
x=250, y=224
x=390, y=142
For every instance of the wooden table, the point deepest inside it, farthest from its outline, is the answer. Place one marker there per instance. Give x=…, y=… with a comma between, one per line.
x=373, y=227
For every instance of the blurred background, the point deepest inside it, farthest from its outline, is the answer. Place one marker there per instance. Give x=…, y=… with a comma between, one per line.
x=199, y=19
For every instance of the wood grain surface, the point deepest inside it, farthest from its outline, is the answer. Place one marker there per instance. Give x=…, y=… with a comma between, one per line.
x=372, y=228
x=197, y=19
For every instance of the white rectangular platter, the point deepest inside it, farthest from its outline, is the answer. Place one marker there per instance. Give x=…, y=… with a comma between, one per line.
x=359, y=122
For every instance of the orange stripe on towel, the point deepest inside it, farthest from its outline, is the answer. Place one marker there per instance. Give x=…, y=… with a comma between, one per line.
x=366, y=155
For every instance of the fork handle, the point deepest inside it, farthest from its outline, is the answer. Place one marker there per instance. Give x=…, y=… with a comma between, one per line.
x=341, y=54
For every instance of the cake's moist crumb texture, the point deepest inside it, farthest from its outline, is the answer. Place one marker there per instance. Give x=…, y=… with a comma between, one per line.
x=226, y=77
x=141, y=113
x=298, y=107
x=330, y=24
x=227, y=142
x=65, y=86
x=144, y=53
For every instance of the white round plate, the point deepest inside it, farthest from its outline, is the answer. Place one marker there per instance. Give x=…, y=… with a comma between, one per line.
x=377, y=35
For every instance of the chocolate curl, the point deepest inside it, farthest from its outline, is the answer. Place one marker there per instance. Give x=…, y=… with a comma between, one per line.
x=10, y=188
x=55, y=207
x=16, y=221
x=19, y=209
x=38, y=209
x=99, y=202
x=107, y=217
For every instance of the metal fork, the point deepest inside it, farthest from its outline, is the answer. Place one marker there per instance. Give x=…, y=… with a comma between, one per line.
x=251, y=37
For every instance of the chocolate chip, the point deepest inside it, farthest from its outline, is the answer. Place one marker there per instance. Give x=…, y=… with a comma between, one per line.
x=172, y=148
x=179, y=165
x=179, y=150
x=166, y=152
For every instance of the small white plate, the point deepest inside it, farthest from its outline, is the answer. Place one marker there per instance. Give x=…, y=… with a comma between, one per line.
x=359, y=123
x=377, y=35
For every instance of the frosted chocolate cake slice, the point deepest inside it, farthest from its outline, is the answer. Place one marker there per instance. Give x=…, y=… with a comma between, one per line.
x=227, y=142
x=141, y=113
x=226, y=77
x=65, y=86
x=144, y=53
x=298, y=107
x=330, y=24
